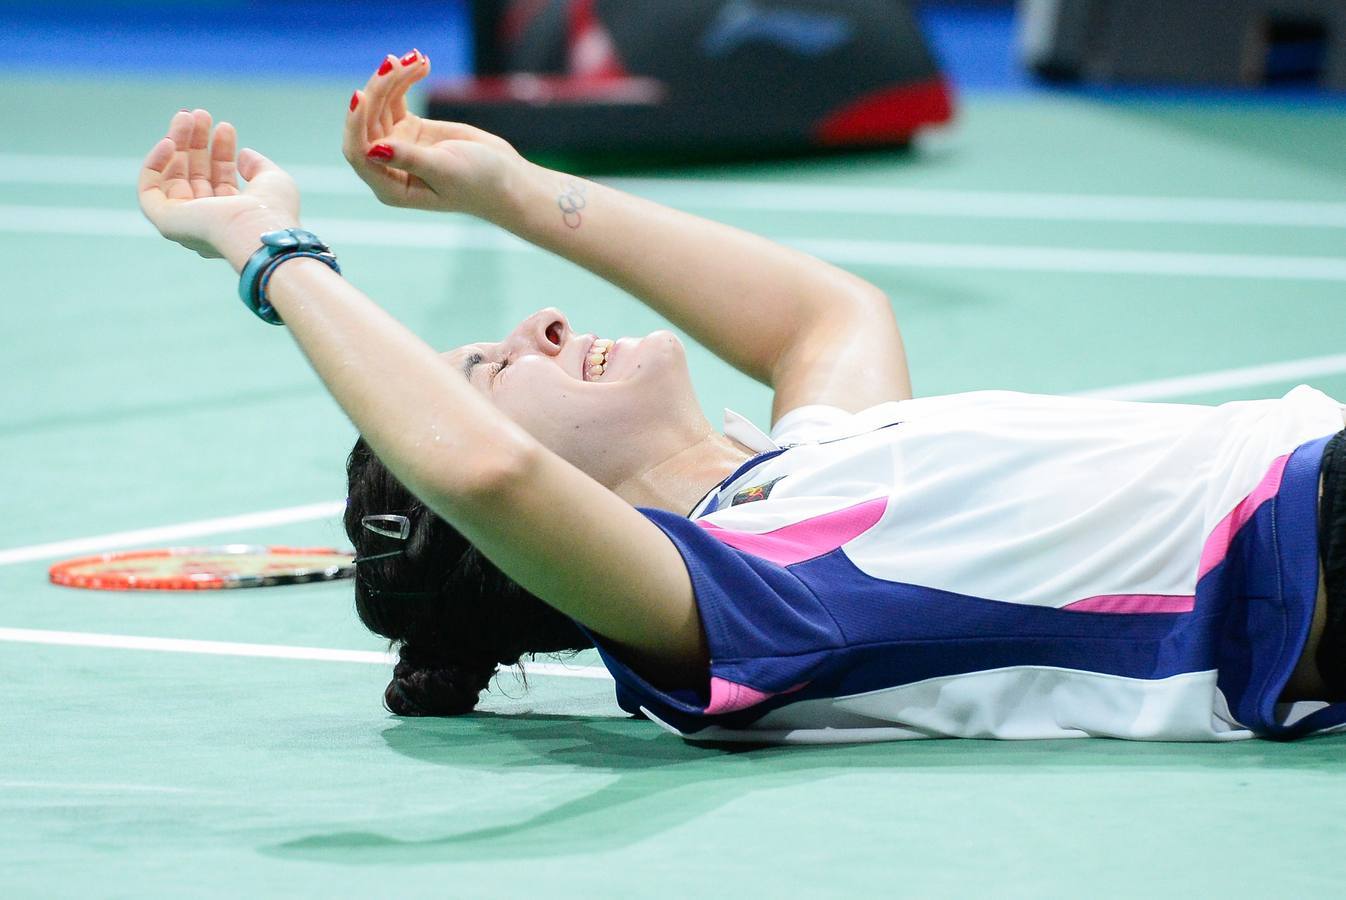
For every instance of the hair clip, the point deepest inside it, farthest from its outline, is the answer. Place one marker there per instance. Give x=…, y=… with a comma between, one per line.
x=380, y=525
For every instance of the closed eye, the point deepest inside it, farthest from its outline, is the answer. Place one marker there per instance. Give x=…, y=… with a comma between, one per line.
x=477, y=359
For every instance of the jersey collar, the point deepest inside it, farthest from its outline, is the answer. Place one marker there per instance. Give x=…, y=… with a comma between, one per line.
x=738, y=427
x=746, y=433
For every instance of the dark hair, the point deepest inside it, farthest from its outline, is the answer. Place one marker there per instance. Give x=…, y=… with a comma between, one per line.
x=454, y=616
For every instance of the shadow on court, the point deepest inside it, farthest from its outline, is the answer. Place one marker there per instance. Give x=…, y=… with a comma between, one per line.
x=660, y=782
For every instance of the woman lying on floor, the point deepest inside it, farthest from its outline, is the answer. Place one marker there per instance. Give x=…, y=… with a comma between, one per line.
x=989, y=564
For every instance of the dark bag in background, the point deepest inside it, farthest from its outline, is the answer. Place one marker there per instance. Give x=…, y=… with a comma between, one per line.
x=699, y=77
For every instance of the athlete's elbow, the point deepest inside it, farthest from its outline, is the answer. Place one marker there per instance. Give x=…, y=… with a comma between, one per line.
x=850, y=294
x=858, y=304
x=865, y=294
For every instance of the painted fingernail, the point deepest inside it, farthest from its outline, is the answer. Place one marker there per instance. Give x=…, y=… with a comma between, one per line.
x=411, y=57
x=355, y=100
x=380, y=151
x=386, y=67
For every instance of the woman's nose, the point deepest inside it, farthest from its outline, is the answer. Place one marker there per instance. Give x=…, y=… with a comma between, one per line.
x=545, y=331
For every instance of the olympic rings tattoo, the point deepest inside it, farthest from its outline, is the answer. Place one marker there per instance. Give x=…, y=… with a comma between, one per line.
x=571, y=201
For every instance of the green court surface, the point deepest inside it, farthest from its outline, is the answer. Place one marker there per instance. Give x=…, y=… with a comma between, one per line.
x=1157, y=250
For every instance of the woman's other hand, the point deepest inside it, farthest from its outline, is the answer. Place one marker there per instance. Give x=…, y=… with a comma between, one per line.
x=189, y=190
x=423, y=163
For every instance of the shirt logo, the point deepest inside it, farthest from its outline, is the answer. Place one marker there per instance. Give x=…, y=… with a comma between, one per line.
x=754, y=493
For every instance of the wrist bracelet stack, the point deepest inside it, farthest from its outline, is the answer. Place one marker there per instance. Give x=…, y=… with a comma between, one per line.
x=277, y=247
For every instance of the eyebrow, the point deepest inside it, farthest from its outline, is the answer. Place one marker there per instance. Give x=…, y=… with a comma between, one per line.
x=472, y=360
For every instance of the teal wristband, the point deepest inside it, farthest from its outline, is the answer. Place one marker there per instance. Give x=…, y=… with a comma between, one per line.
x=277, y=247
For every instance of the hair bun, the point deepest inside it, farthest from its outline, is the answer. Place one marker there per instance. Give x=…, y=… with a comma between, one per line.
x=435, y=690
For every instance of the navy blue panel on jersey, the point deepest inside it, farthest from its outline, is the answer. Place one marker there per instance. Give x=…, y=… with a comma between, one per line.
x=1267, y=619
x=822, y=628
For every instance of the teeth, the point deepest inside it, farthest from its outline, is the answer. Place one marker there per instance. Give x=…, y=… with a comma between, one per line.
x=597, y=358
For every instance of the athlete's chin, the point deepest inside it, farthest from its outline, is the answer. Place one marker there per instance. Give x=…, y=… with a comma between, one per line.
x=656, y=356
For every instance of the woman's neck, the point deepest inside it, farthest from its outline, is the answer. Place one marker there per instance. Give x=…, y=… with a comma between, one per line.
x=679, y=482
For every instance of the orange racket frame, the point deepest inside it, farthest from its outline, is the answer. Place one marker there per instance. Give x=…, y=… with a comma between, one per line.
x=203, y=568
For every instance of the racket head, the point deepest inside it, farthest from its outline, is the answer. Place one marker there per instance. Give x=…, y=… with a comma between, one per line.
x=203, y=568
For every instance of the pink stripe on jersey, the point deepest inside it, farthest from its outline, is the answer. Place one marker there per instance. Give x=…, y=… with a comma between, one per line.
x=1217, y=545
x=806, y=539
x=1134, y=603
x=1212, y=554
x=730, y=696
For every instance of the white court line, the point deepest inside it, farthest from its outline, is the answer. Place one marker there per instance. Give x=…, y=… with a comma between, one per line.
x=266, y=651
x=22, y=168
x=1004, y=257
x=95, y=222
x=1187, y=385
x=1012, y=205
x=883, y=254
x=306, y=513
x=95, y=786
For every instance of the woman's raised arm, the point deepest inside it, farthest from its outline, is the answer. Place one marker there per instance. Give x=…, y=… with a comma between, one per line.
x=557, y=532
x=815, y=333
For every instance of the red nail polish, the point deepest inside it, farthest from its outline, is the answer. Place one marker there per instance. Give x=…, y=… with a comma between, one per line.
x=380, y=151
x=355, y=100
x=411, y=57
x=386, y=67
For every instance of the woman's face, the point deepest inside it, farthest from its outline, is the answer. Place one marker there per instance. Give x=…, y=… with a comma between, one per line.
x=613, y=424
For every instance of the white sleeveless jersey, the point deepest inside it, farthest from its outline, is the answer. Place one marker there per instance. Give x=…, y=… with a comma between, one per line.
x=1004, y=565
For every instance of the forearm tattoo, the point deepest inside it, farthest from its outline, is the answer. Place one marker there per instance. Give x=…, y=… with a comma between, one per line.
x=571, y=201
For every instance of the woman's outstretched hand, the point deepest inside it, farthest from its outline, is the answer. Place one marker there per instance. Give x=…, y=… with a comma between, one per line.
x=423, y=163
x=189, y=190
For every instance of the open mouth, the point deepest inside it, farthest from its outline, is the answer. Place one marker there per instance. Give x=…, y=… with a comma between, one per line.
x=595, y=361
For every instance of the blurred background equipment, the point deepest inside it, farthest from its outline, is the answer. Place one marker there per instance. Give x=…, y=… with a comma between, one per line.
x=698, y=77
x=1196, y=42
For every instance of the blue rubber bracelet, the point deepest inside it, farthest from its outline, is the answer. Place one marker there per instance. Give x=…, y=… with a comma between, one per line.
x=277, y=247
